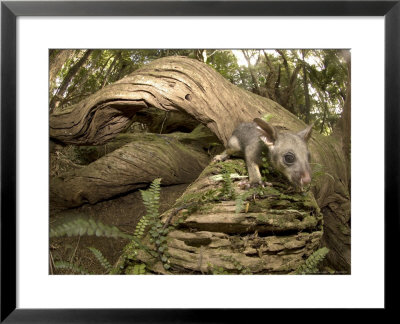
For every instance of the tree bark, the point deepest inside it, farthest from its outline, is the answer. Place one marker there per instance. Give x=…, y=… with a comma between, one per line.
x=182, y=84
x=130, y=162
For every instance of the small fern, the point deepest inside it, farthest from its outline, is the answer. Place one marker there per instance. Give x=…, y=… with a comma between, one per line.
x=100, y=257
x=151, y=198
x=217, y=270
x=241, y=199
x=312, y=262
x=141, y=227
x=64, y=265
x=239, y=267
x=227, y=191
x=158, y=232
x=81, y=226
x=139, y=269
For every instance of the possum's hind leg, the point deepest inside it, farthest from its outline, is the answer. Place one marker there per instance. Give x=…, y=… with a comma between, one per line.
x=232, y=147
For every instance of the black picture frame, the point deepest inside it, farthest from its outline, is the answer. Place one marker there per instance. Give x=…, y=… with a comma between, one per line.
x=9, y=13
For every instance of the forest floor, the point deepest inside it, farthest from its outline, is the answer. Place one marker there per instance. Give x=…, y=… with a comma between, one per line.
x=124, y=212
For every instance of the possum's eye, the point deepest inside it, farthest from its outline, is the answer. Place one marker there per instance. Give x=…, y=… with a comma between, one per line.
x=289, y=158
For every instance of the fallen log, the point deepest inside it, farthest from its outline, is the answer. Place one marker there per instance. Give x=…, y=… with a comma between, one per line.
x=129, y=166
x=273, y=231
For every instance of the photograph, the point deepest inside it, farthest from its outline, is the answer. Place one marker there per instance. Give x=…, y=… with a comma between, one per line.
x=182, y=161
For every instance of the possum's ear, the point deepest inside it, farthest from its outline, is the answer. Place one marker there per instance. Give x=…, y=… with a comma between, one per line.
x=268, y=132
x=305, y=134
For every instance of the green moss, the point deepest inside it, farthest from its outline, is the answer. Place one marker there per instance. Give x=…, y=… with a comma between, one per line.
x=309, y=221
x=344, y=229
x=234, y=166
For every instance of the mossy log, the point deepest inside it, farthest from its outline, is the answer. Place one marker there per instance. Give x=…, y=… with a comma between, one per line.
x=200, y=138
x=130, y=166
x=272, y=231
x=186, y=85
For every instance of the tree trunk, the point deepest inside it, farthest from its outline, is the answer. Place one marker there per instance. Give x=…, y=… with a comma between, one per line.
x=306, y=92
x=182, y=84
x=55, y=101
x=57, y=63
x=256, y=87
x=116, y=58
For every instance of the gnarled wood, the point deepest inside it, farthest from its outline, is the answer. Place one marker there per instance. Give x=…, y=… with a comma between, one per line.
x=129, y=167
x=172, y=83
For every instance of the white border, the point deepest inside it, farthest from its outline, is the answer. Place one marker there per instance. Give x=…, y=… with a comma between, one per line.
x=363, y=288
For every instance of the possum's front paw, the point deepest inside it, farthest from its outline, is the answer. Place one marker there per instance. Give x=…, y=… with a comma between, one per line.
x=217, y=158
x=245, y=184
x=220, y=158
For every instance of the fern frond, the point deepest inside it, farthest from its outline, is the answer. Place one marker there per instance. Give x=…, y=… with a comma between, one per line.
x=141, y=227
x=311, y=264
x=81, y=226
x=89, y=227
x=151, y=198
x=64, y=265
x=100, y=257
x=227, y=190
x=139, y=269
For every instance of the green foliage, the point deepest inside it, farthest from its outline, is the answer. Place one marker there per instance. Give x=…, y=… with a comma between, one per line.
x=227, y=191
x=239, y=267
x=268, y=117
x=151, y=198
x=310, y=266
x=139, y=269
x=100, y=257
x=241, y=199
x=225, y=63
x=265, y=167
x=158, y=232
x=64, y=265
x=89, y=227
x=196, y=201
x=141, y=227
x=217, y=270
x=220, y=270
x=81, y=226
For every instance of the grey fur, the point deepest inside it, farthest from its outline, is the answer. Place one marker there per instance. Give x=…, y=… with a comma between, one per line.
x=252, y=139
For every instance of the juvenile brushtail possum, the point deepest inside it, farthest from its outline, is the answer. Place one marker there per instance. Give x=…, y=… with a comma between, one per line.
x=287, y=152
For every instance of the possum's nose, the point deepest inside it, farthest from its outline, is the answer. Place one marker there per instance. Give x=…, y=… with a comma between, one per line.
x=305, y=179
